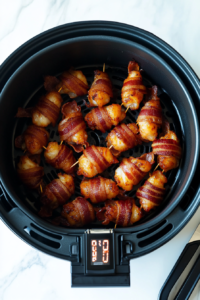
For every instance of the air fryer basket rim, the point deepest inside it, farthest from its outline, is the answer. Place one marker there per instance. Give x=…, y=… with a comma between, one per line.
x=50, y=36
x=110, y=38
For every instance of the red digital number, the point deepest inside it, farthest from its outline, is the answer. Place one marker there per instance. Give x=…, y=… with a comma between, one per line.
x=94, y=250
x=105, y=250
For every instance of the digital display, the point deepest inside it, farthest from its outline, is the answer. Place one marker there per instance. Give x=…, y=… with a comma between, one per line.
x=100, y=252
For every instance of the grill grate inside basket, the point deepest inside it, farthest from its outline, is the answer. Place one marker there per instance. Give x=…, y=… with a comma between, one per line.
x=117, y=76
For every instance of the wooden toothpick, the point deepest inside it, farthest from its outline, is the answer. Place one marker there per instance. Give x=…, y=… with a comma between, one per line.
x=115, y=226
x=104, y=67
x=110, y=147
x=41, y=189
x=44, y=147
x=156, y=167
x=127, y=110
x=61, y=142
x=74, y=164
x=60, y=89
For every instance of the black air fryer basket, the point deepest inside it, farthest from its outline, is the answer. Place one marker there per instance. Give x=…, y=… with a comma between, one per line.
x=86, y=46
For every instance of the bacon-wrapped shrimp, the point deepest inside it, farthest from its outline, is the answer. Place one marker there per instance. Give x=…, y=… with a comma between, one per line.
x=132, y=170
x=169, y=151
x=30, y=172
x=123, y=212
x=71, y=82
x=46, y=110
x=133, y=90
x=152, y=192
x=150, y=116
x=60, y=157
x=99, y=189
x=56, y=193
x=77, y=213
x=95, y=160
x=123, y=137
x=72, y=128
x=33, y=139
x=101, y=90
x=103, y=118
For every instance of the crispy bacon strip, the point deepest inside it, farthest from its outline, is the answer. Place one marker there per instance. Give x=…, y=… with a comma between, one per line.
x=132, y=170
x=70, y=108
x=72, y=128
x=152, y=192
x=122, y=138
x=49, y=106
x=101, y=90
x=33, y=139
x=150, y=116
x=133, y=89
x=123, y=212
x=169, y=151
x=95, y=160
x=29, y=172
x=56, y=193
x=45, y=112
x=60, y=157
x=99, y=189
x=71, y=82
x=77, y=213
x=103, y=118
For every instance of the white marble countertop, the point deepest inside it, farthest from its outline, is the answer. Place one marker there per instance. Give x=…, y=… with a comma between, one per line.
x=26, y=273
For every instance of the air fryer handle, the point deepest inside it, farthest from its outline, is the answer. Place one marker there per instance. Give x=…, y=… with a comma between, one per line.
x=179, y=279
x=190, y=283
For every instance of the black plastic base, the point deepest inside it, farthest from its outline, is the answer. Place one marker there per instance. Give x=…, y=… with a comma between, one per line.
x=120, y=280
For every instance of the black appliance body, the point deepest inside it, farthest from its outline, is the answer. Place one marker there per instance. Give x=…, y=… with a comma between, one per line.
x=87, y=45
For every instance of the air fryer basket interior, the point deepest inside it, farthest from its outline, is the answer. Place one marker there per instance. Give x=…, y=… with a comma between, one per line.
x=88, y=54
